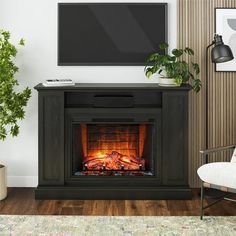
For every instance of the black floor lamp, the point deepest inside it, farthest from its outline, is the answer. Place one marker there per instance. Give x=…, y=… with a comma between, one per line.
x=220, y=53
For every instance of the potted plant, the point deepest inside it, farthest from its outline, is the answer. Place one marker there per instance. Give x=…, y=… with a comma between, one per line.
x=12, y=102
x=173, y=70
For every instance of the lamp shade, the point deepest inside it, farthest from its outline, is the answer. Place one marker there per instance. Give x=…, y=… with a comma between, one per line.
x=221, y=52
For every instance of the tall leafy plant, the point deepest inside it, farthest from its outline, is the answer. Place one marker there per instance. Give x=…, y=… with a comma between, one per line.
x=12, y=103
x=173, y=66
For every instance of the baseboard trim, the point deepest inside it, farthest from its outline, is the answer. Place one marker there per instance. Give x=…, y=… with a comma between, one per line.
x=79, y=193
x=22, y=181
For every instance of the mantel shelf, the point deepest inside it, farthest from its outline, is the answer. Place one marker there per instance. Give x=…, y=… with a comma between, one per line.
x=113, y=86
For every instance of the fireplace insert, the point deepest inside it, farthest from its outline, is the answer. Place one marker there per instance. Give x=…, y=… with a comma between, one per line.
x=113, y=149
x=113, y=142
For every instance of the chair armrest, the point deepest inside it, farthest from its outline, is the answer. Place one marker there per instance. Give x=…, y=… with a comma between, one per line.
x=206, y=153
x=218, y=149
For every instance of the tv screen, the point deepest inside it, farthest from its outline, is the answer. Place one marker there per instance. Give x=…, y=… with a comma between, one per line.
x=110, y=33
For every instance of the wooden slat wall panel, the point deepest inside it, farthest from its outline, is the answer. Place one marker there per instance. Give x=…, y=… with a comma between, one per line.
x=196, y=30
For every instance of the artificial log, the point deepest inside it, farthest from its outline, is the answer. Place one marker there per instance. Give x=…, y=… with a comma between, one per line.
x=113, y=161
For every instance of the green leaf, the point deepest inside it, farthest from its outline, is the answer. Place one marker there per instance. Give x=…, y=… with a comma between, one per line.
x=172, y=58
x=3, y=132
x=196, y=68
x=148, y=73
x=152, y=57
x=197, y=85
x=14, y=130
x=178, y=80
x=163, y=45
x=189, y=51
x=177, y=52
x=22, y=42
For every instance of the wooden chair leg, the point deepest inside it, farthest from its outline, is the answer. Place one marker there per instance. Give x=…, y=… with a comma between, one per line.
x=202, y=198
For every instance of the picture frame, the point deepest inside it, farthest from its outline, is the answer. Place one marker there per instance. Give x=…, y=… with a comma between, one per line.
x=225, y=25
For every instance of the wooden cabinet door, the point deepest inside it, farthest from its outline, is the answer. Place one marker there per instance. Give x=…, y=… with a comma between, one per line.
x=51, y=138
x=175, y=138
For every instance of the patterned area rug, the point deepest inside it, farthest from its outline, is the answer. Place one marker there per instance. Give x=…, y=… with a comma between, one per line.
x=116, y=226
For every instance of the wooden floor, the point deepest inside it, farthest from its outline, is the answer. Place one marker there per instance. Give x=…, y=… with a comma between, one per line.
x=21, y=201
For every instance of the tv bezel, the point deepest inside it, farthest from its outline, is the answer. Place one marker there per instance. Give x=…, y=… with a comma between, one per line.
x=107, y=63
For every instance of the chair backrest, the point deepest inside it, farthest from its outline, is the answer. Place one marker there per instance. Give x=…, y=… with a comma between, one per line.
x=233, y=159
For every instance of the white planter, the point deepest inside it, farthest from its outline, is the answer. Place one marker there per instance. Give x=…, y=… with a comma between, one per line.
x=164, y=81
x=3, y=184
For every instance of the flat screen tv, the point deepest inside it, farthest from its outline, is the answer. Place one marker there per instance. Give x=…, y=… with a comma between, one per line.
x=110, y=33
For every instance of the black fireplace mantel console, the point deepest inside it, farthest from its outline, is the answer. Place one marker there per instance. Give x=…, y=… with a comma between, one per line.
x=59, y=107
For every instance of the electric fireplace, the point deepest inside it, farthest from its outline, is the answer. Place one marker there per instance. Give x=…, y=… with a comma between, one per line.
x=113, y=141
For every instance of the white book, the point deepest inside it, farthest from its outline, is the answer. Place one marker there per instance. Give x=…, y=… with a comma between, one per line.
x=62, y=81
x=58, y=84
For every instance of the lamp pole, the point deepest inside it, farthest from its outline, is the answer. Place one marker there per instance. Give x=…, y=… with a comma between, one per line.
x=206, y=101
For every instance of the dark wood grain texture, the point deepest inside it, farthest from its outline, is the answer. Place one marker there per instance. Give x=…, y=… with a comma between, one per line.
x=167, y=148
x=111, y=86
x=175, y=138
x=51, y=138
x=21, y=201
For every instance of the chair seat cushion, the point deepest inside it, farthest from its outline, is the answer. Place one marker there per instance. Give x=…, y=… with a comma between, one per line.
x=219, y=173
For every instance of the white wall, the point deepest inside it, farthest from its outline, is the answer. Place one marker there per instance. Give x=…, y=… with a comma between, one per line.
x=36, y=21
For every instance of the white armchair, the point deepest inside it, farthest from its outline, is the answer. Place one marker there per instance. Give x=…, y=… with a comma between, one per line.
x=217, y=175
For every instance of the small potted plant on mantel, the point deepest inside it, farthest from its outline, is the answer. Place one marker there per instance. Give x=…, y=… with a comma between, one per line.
x=173, y=70
x=12, y=103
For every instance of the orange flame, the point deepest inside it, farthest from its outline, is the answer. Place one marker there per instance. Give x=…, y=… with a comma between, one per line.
x=120, y=149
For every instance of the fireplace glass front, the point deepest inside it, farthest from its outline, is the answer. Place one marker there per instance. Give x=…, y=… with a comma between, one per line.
x=122, y=149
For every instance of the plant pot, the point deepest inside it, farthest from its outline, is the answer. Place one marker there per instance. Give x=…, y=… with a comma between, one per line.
x=169, y=82
x=3, y=184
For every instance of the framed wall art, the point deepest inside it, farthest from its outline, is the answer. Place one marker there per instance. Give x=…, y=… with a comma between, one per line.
x=225, y=25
